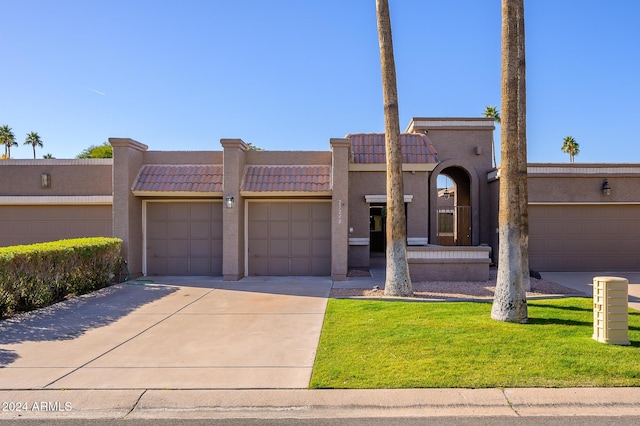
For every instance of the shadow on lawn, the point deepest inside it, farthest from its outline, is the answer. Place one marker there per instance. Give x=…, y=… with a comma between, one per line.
x=564, y=308
x=557, y=321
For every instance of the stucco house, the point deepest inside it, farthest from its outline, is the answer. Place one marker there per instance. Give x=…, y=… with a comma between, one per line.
x=236, y=212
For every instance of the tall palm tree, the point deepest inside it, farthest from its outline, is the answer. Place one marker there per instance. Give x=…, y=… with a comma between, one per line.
x=34, y=140
x=571, y=147
x=510, y=301
x=398, y=281
x=8, y=139
x=492, y=112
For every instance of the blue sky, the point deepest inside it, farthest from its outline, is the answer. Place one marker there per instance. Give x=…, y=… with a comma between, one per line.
x=291, y=74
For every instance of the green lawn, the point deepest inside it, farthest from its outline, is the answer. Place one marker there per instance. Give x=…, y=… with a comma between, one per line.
x=382, y=344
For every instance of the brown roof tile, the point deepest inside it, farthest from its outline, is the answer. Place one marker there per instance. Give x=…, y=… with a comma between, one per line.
x=368, y=148
x=287, y=179
x=179, y=178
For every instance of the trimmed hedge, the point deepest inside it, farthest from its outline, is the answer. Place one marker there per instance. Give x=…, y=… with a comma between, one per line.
x=37, y=275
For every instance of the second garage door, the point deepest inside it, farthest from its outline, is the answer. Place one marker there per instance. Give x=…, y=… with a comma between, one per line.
x=184, y=238
x=584, y=237
x=289, y=238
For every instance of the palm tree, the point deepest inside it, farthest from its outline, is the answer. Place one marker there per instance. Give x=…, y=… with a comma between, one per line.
x=34, y=140
x=48, y=155
x=492, y=112
x=571, y=147
x=398, y=281
x=8, y=140
x=510, y=301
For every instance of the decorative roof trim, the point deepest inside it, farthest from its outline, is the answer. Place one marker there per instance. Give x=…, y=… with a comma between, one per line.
x=297, y=194
x=310, y=179
x=44, y=200
x=418, y=124
x=176, y=194
x=449, y=252
x=587, y=169
x=369, y=148
x=161, y=179
x=382, y=198
x=382, y=167
x=354, y=241
x=580, y=170
x=56, y=162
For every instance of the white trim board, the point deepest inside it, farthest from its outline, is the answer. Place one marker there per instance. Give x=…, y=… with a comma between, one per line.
x=25, y=200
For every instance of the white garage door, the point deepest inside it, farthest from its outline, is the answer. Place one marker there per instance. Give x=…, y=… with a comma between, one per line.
x=584, y=237
x=184, y=238
x=289, y=238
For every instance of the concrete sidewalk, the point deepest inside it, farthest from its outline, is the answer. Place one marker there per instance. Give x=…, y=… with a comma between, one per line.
x=332, y=404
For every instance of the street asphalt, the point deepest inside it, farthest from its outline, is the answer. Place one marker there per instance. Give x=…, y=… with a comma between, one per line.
x=200, y=347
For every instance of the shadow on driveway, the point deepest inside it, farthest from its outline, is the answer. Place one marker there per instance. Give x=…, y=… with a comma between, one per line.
x=71, y=318
x=7, y=357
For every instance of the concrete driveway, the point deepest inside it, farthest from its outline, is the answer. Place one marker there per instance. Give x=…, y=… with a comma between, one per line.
x=171, y=333
x=583, y=281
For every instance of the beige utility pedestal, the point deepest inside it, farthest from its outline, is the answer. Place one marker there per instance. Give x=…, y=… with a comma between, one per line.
x=611, y=310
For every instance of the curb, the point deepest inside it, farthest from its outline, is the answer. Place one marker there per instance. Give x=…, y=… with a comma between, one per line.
x=303, y=403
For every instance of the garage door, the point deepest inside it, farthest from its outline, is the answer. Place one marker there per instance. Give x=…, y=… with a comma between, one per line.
x=584, y=238
x=289, y=238
x=35, y=224
x=184, y=238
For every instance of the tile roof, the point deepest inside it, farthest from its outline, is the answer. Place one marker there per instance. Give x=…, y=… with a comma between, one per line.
x=179, y=178
x=368, y=148
x=287, y=179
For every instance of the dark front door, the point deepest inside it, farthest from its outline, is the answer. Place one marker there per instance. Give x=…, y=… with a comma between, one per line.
x=454, y=226
x=377, y=227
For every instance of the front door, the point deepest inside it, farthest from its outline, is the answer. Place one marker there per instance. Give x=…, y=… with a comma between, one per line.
x=463, y=226
x=454, y=226
x=377, y=227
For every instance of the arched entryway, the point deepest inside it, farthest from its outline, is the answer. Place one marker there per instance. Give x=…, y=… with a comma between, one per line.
x=452, y=212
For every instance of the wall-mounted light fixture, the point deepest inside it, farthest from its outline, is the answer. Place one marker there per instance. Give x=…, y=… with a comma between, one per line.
x=446, y=194
x=229, y=201
x=606, y=188
x=45, y=181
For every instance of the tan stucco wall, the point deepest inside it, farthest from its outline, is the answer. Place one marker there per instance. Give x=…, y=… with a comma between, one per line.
x=288, y=157
x=28, y=224
x=374, y=183
x=340, y=209
x=233, y=255
x=68, y=177
x=183, y=157
x=492, y=225
x=582, y=183
x=464, y=144
x=557, y=184
x=127, y=209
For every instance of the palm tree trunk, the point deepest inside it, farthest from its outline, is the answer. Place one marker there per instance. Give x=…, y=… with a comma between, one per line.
x=398, y=281
x=510, y=301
